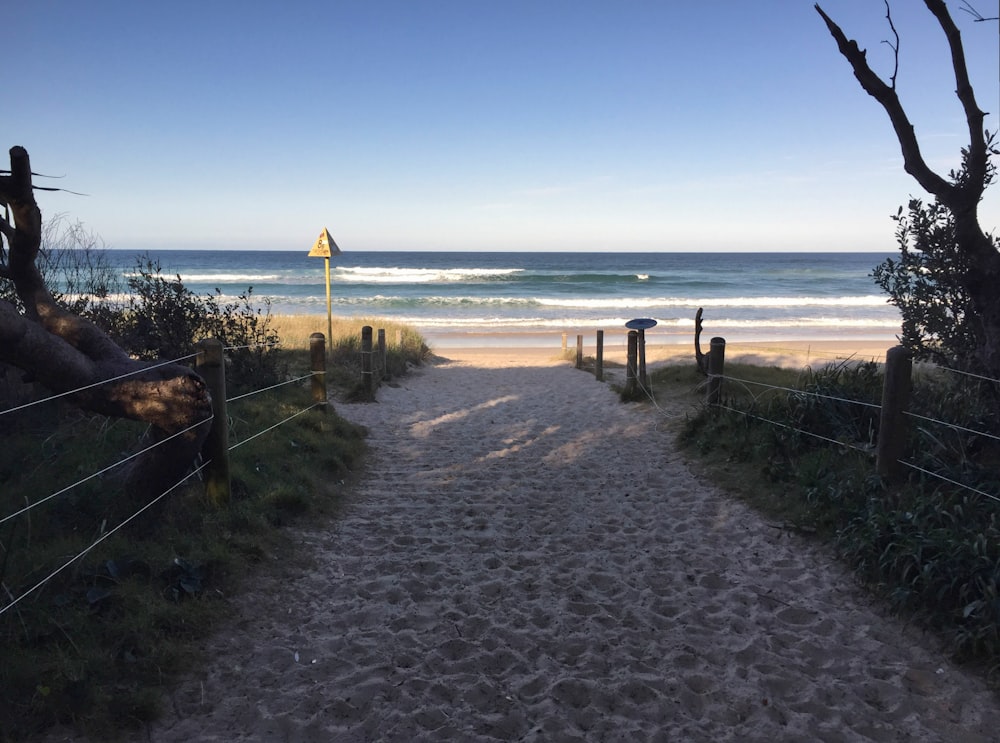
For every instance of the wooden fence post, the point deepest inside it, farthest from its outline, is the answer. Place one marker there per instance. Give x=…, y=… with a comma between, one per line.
x=317, y=359
x=367, y=382
x=215, y=451
x=382, y=353
x=631, y=364
x=579, y=351
x=716, y=367
x=564, y=343
x=892, y=421
x=599, y=357
x=641, y=343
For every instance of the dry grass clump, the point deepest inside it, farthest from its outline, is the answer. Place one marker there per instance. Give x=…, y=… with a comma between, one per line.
x=294, y=330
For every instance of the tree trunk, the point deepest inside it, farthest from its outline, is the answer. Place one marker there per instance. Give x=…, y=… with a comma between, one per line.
x=982, y=290
x=65, y=352
x=961, y=194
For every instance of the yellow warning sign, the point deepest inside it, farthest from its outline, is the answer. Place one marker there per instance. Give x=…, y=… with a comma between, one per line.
x=324, y=246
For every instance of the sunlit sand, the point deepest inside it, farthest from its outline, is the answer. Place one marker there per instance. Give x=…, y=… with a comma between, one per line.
x=527, y=558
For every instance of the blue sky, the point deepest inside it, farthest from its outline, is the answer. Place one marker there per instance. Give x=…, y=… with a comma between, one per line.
x=482, y=125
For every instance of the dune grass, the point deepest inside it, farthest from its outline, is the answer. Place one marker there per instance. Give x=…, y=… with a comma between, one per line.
x=929, y=549
x=405, y=347
x=96, y=646
x=294, y=331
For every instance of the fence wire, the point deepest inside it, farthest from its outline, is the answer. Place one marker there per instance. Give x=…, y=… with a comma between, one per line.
x=809, y=352
x=844, y=444
x=14, y=601
x=100, y=539
x=968, y=374
x=102, y=471
x=647, y=390
x=377, y=364
x=276, y=425
x=865, y=450
x=956, y=483
x=954, y=426
x=98, y=384
x=804, y=393
x=273, y=386
x=268, y=344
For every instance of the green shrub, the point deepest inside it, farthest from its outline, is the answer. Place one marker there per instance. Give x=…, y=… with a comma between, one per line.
x=163, y=319
x=930, y=547
x=97, y=645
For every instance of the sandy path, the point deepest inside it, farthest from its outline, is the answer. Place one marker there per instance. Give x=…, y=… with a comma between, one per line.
x=530, y=560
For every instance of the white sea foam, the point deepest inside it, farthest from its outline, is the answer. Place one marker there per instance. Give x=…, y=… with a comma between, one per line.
x=194, y=277
x=396, y=275
x=622, y=303
x=800, y=323
x=760, y=302
x=568, y=303
x=821, y=296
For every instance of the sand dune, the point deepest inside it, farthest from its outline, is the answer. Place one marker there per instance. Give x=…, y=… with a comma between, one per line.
x=530, y=560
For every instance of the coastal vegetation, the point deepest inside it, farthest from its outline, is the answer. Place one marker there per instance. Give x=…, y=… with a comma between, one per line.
x=69, y=354
x=96, y=645
x=405, y=347
x=944, y=281
x=798, y=446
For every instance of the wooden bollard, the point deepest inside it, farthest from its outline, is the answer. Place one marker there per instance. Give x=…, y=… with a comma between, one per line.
x=892, y=420
x=367, y=381
x=579, y=351
x=211, y=365
x=317, y=361
x=564, y=343
x=643, y=379
x=382, y=354
x=631, y=364
x=716, y=368
x=599, y=357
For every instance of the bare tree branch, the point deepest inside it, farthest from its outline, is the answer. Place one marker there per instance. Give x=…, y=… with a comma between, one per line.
x=891, y=45
x=973, y=115
x=974, y=259
x=976, y=15
x=913, y=161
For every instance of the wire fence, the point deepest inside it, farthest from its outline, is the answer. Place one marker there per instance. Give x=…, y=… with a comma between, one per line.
x=94, y=385
x=13, y=599
x=885, y=423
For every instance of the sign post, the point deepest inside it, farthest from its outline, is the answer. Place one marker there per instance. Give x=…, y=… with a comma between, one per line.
x=323, y=248
x=641, y=324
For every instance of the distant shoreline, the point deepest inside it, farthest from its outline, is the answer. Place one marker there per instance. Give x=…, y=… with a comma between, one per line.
x=447, y=296
x=788, y=353
x=755, y=348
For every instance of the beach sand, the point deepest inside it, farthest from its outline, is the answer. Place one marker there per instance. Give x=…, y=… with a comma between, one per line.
x=492, y=350
x=528, y=559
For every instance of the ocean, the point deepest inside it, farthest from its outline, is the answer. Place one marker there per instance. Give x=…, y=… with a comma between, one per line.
x=746, y=297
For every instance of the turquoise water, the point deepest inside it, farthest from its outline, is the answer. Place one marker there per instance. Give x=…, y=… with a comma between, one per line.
x=753, y=296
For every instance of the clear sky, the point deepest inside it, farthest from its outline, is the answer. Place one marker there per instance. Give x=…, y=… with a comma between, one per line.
x=659, y=125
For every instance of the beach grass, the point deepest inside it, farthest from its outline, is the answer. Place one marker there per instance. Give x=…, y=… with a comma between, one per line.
x=927, y=547
x=294, y=330
x=405, y=347
x=97, y=645
x=741, y=455
x=102, y=665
